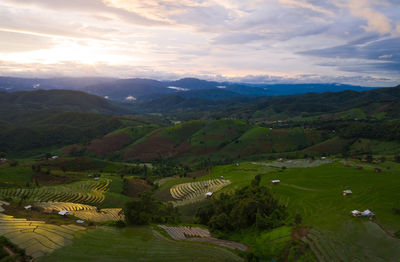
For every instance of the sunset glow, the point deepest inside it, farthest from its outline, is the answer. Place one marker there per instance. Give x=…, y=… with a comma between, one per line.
x=346, y=41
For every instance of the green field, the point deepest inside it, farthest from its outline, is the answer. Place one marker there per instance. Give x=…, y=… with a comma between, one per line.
x=316, y=194
x=136, y=244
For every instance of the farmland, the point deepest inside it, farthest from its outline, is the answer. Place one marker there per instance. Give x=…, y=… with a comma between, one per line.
x=36, y=237
x=109, y=244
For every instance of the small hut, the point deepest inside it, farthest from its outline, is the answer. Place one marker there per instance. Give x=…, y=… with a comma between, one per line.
x=367, y=213
x=377, y=170
x=64, y=212
x=209, y=194
x=347, y=192
x=356, y=213
x=275, y=182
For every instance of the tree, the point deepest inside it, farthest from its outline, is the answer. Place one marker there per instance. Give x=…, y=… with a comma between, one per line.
x=2, y=155
x=297, y=219
x=48, y=156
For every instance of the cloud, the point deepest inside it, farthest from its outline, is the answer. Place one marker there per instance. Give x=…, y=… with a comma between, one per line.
x=306, y=5
x=376, y=21
x=277, y=40
x=11, y=42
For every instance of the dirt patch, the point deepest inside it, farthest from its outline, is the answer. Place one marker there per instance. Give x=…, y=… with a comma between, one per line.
x=109, y=144
x=45, y=179
x=300, y=232
x=153, y=147
x=72, y=150
x=199, y=173
x=134, y=187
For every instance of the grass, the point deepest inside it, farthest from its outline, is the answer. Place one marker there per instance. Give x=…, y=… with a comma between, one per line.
x=136, y=244
x=316, y=194
x=355, y=242
x=375, y=147
x=18, y=176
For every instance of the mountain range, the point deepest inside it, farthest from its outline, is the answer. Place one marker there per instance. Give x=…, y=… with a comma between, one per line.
x=136, y=89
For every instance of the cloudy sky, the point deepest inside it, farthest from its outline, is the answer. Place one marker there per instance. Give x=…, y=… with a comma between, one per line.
x=264, y=41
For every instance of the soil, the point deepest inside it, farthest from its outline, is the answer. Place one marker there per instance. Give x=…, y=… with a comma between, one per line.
x=109, y=144
x=300, y=232
x=50, y=179
x=136, y=186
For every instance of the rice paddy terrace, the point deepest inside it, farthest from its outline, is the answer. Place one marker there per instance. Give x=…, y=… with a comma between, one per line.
x=140, y=243
x=36, y=237
x=85, y=192
x=200, y=235
x=85, y=212
x=187, y=193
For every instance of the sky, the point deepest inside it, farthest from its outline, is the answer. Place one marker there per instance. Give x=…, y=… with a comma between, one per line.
x=255, y=41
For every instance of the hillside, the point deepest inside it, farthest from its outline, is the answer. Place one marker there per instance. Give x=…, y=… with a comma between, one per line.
x=56, y=100
x=376, y=102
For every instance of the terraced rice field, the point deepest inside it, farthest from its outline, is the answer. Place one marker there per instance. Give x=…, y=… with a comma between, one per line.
x=199, y=234
x=188, y=193
x=85, y=212
x=105, y=214
x=140, y=243
x=36, y=237
x=84, y=192
x=356, y=242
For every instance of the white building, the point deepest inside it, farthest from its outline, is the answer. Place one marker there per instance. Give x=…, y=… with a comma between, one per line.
x=64, y=212
x=347, y=192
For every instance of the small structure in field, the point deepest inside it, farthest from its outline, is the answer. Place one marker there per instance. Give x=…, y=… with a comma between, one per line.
x=237, y=164
x=209, y=194
x=80, y=221
x=356, y=213
x=3, y=160
x=323, y=158
x=367, y=213
x=206, y=185
x=275, y=182
x=96, y=178
x=28, y=207
x=347, y=192
x=54, y=157
x=64, y=213
x=280, y=159
x=222, y=177
x=377, y=170
x=359, y=167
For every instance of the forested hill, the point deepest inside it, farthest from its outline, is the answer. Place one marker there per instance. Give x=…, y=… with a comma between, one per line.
x=187, y=107
x=56, y=100
x=53, y=118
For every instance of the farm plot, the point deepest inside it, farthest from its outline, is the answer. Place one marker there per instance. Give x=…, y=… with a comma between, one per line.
x=36, y=237
x=84, y=192
x=354, y=242
x=105, y=214
x=200, y=235
x=140, y=243
x=195, y=191
x=82, y=211
x=297, y=163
